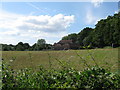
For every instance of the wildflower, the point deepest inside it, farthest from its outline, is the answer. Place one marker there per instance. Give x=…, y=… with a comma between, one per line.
x=5, y=75
x=11, y=60
x=71, y=56
x=79, y=72
x=54, y=78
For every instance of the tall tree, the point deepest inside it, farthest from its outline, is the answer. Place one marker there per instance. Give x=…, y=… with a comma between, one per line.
x=19, y=46
x=72, y=37
x=40, y=45
x=83, y=34
x=26, y=46
x=41, y=42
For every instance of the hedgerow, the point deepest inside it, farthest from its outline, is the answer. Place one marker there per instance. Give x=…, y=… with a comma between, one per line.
x=67, y=77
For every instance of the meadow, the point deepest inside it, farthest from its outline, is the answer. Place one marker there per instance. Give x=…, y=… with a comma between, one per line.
x=78, y=59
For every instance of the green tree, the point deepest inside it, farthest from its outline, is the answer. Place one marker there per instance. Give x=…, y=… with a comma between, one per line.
x=19, y=46
x=72, y=37
x=40, y=45
x=83, y=34
x=26, y=46
x=107, y=32
x=41, y=42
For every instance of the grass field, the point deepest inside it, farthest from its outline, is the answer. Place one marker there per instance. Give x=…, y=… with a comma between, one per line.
x=107, y=58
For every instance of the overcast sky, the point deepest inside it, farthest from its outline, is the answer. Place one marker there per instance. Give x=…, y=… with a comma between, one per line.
x=30, y=21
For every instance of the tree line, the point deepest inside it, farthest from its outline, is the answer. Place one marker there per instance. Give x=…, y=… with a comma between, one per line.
x=105, y=33
x=40, y=45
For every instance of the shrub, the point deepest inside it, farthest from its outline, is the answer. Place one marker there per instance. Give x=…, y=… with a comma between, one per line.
x=67, y=77
x=8, y=80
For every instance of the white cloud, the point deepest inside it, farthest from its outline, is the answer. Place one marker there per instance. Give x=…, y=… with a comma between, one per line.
x=97, y=3
x=90, y=18
x=45, y=23
x=15, y=27
x=116, y=12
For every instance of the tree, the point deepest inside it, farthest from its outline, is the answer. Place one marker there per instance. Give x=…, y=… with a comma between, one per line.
x=19, y=46
x=72, y=37
x=26, y=46
x=40, y=45
x=41, y=42
x=107, y=32
x=33, y=47
x=83, y=34
x=65, y=38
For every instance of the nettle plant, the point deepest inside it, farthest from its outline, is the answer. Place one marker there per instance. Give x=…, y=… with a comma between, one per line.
x=67, y=77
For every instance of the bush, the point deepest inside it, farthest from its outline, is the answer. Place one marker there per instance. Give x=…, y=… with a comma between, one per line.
x=8, y=80
x=93, y=78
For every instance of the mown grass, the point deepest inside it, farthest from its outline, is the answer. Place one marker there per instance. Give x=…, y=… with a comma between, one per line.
x=106, y=58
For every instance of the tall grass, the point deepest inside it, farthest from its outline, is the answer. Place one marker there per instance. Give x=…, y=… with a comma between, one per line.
x=107, y=58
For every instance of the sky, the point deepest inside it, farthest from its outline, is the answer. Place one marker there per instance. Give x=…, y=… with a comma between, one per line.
x=30, y=21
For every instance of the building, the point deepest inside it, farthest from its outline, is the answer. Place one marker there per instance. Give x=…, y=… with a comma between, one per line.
x=64, y=45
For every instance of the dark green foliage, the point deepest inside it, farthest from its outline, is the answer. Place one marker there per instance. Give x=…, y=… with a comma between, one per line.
x=106, y=33
x=72, y=37
x=41, y=42
x=40, y=45
x=6, y=47
x=22, y=46
x=19, y=46
x=92, y=78
x=8, y=78
x=26, y=46
x=83, y=35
